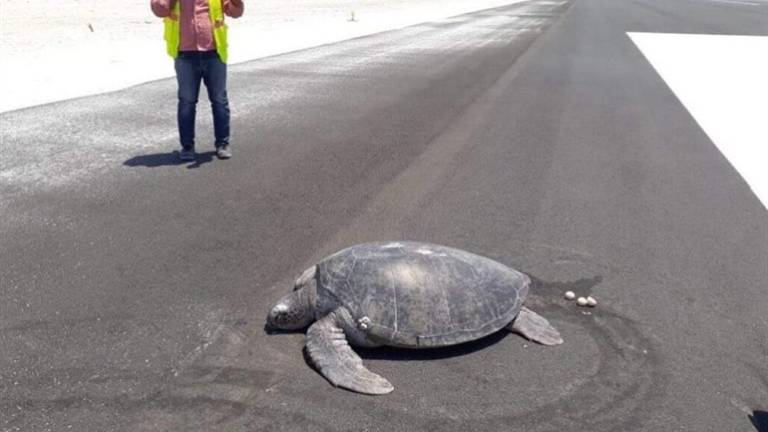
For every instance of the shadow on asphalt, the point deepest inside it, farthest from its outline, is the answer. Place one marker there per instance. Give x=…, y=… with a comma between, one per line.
x=760, y=420
x=404, y=354
x=168, y=159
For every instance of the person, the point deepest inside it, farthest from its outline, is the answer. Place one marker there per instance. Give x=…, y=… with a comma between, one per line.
x=196, y=38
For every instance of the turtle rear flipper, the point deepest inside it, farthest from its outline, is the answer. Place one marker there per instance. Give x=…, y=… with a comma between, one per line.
x=328, y=349
x=535, y=327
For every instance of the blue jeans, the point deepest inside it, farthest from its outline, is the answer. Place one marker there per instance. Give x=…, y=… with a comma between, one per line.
x=191, y=68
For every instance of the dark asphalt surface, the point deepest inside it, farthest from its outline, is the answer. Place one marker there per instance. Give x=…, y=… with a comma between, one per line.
x=135, y=288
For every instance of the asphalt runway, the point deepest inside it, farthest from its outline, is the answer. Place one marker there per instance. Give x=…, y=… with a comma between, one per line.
x=135, y=288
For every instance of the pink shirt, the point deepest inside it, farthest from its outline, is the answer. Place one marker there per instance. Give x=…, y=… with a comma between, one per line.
x=195, y=22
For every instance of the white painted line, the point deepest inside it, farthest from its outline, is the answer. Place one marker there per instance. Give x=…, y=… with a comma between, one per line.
x=723, y=82
x=748, y=3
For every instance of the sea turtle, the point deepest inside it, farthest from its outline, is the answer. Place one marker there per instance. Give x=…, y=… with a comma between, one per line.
x=402, y=294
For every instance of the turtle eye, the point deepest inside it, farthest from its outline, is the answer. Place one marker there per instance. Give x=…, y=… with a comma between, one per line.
x=283, y=319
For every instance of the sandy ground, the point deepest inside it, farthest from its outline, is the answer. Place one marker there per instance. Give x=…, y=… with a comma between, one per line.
x=61, y=49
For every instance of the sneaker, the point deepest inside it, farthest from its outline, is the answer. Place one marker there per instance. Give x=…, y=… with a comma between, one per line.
x=187, y=155
x=223, y=152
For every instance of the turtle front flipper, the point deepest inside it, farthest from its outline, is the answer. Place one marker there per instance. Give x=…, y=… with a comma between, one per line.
x=535, y=327
x=328, y=349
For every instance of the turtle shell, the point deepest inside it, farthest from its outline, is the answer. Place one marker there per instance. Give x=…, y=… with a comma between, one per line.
x=422, y=295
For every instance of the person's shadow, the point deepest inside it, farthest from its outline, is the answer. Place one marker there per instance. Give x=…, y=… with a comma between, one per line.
x=760, y=420
x=169, y=159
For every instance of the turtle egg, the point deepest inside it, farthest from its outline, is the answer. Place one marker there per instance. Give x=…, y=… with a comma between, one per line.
x=581, y=301
x=591, y=302
x=570, y=295
x=363, y=323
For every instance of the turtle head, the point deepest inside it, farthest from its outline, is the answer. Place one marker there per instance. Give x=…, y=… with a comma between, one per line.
x=297, y=309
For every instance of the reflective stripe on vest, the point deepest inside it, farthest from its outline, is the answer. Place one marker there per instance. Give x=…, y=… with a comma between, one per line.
x=173, y=30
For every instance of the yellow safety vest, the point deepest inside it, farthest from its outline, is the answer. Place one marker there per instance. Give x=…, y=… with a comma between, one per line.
x=173, y=30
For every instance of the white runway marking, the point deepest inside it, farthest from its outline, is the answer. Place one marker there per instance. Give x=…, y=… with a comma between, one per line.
x=739, y=2
x=723, y=82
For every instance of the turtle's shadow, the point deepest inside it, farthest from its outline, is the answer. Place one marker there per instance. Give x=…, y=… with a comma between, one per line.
x=406, y=354
x=759, y=419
